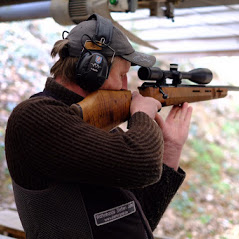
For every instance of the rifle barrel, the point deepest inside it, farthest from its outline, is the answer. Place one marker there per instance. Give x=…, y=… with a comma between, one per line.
x=229, y=88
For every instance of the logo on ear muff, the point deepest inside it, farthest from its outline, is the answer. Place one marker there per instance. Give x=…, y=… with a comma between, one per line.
x=98, y=59
x=95, y=66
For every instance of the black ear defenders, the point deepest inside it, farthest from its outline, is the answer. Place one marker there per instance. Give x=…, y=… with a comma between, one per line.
x=92, y=68
x=92, y=71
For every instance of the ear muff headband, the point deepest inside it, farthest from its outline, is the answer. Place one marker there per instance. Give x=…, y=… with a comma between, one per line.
x=104, y=29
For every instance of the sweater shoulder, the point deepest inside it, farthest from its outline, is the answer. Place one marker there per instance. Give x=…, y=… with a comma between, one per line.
x=35, y=114
x=35, y=107
x=37, y=102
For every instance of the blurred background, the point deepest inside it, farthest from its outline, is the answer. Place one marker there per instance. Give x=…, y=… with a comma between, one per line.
x=192, y=35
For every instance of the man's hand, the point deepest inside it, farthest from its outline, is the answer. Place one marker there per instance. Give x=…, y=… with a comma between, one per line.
x=148, y=105
x=175, y=131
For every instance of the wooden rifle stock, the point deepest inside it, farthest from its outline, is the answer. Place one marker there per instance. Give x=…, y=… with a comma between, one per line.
x=106, y=109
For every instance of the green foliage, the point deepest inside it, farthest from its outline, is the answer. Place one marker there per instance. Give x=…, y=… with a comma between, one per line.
x=205, y=218
x=184, y=204
x=237, y=108
x=208, y=166
x=208, y=159
x=233, y=172
x=222, y=187
x=189, y=235
x=2, y=153
x=231, y=128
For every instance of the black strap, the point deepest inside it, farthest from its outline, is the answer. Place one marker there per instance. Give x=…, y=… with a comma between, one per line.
x=104, y=28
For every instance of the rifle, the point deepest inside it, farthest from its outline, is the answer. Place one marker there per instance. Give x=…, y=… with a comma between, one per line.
x=106, y=109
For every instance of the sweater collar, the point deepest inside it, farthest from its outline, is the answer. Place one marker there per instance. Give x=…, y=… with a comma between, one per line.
x=59, y=92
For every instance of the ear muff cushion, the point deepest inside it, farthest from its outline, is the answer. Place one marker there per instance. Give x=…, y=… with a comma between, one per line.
x=91, y=71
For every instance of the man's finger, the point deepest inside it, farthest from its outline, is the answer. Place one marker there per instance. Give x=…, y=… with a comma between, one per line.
x=159, y=105
x=188, y=115
x=183, y=111
x=173, y=112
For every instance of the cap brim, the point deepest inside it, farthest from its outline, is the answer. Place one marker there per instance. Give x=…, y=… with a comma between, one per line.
x=141, y=59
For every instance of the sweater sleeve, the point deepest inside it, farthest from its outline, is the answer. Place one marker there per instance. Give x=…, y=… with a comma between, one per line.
x=155, y=198
x=45, y=137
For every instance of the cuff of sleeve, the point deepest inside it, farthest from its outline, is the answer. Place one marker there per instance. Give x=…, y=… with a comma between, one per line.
x=180, y=171
x=172, y=177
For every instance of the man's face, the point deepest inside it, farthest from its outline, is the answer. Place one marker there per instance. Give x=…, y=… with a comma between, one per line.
x=117, y=79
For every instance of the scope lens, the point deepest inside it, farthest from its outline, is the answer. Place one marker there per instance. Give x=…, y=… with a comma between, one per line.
x=143, y=73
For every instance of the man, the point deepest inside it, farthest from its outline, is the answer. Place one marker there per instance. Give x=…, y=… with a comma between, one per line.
x=73, y=180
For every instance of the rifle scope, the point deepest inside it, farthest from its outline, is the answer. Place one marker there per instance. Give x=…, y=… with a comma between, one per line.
x=199, y=75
